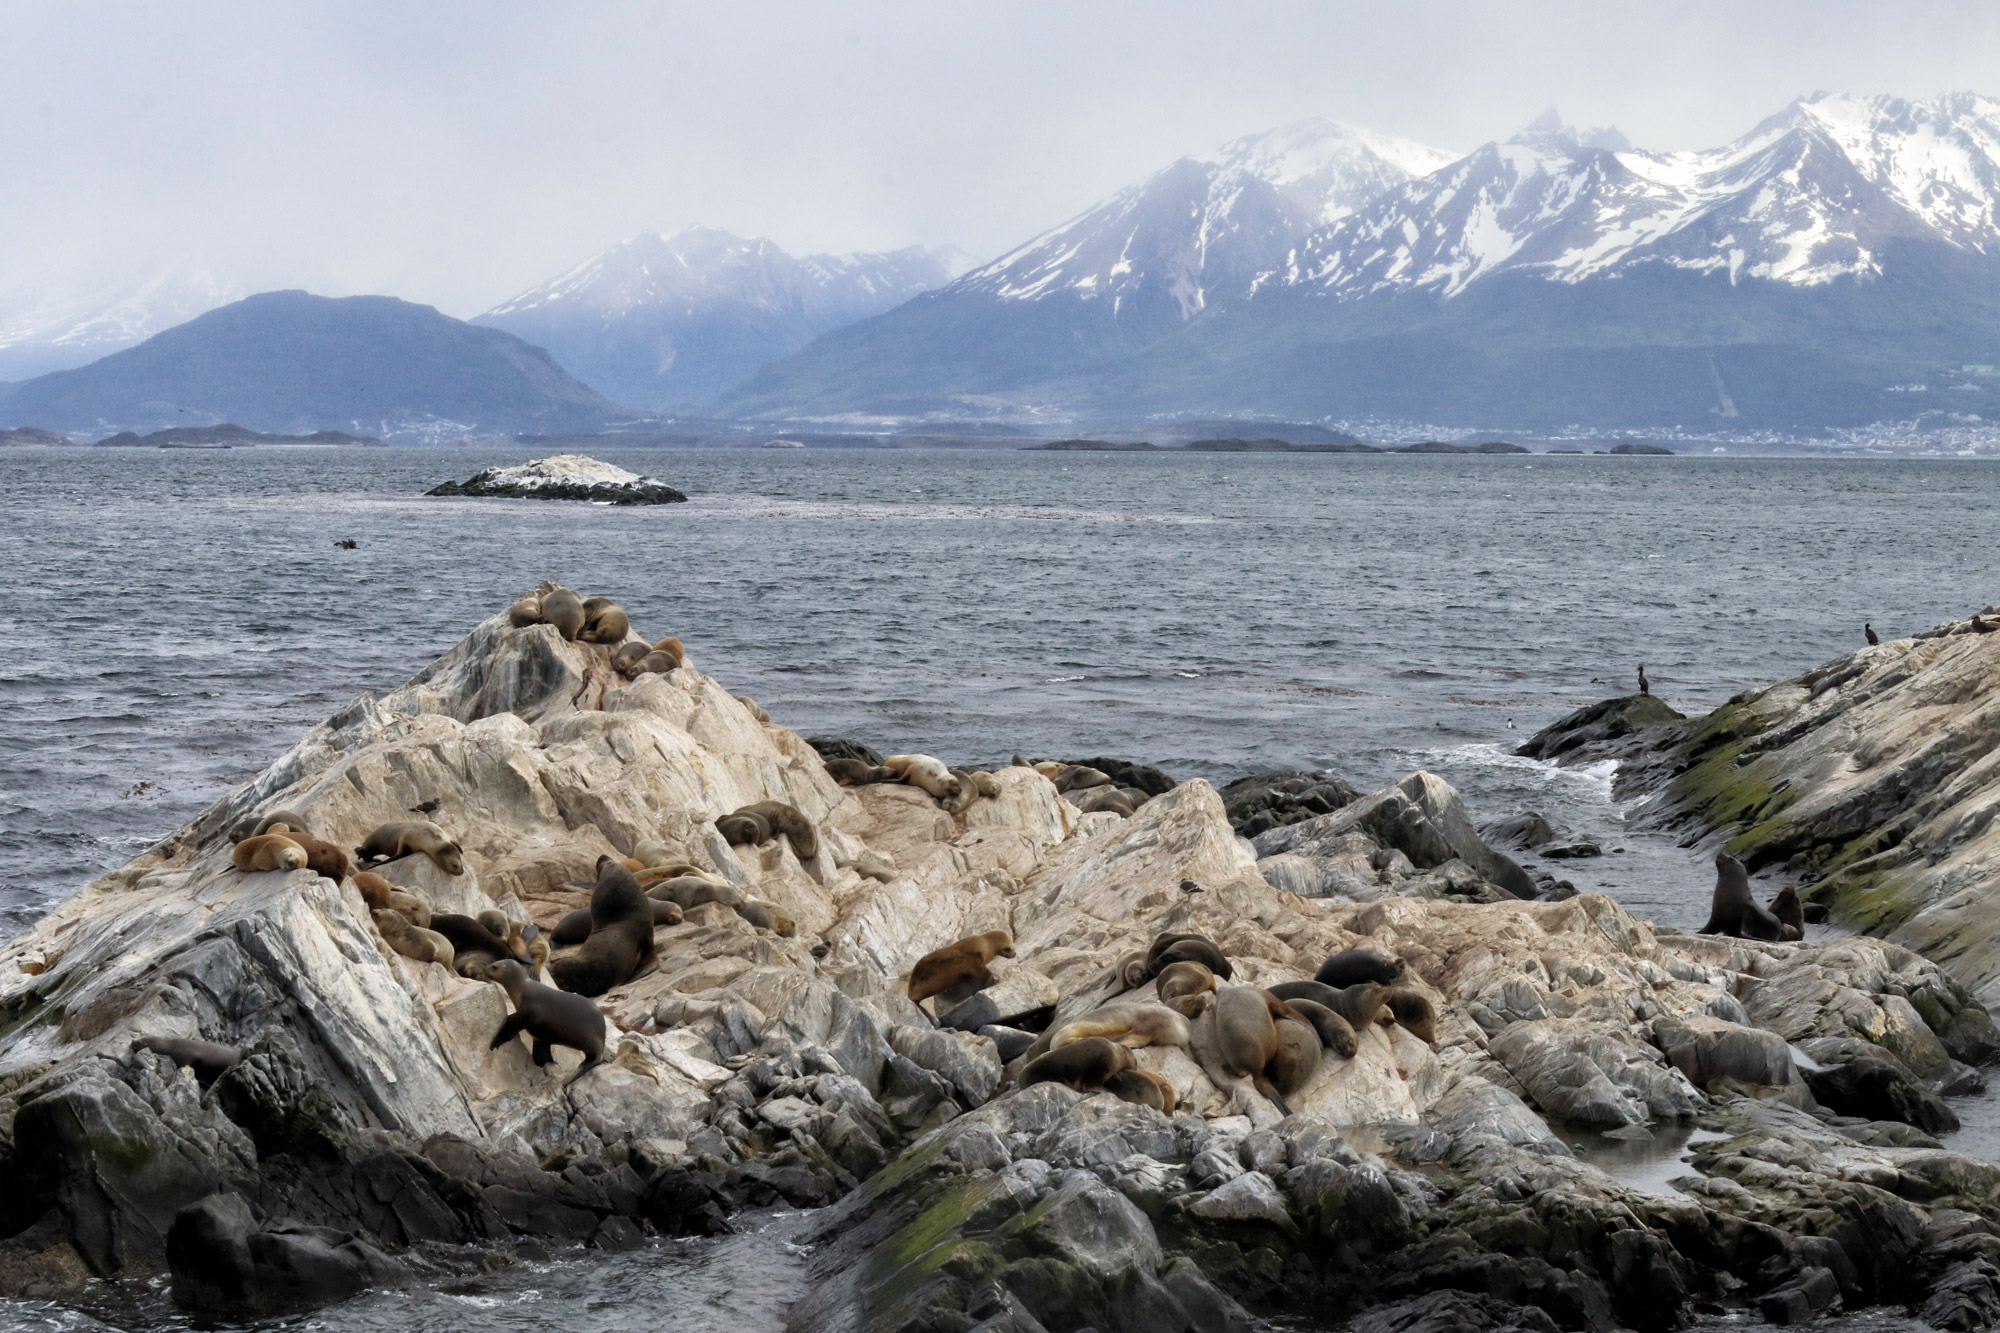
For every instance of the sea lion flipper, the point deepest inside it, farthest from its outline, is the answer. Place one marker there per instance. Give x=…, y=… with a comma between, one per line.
x=1270, y=1092
x=590, y=1062
x=510, y=1028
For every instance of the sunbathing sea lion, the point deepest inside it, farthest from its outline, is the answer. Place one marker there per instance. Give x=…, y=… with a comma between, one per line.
x=563, y=609
x=414, y=941
x=1335, y=1032
x=604, y=621
x=1142, y=1087
x=1246, y=1036
x=620, y=945
x=1188, y=949
x=921, y=770
x=474, y=941
x=549, y=1016
x=322, y=857
x=767, y=916
x=1085, y=1065
x=1351, y=967
x=208, y=1059
x=251, y=825
x=526, y=611
x=1360, y=1005
x=854, y=773
x=1187, y=988
x=391, y=842
x=960, y=961
x=1297, y=1058
x=375, y=890
x=760, y=821
x=1127, y=1024
x=688, y=892
x=1414, y=1012
x=410, y=905
x=268, y=851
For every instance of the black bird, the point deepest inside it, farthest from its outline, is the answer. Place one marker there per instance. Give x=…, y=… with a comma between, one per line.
x=346, y=543
x=1644, y=688
x=1189, y=886
x=427, y=808
x=1869, y=630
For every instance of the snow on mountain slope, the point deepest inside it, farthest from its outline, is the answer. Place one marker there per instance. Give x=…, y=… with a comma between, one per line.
x=1203, y=228
x=43, y=328
x=1811, y=195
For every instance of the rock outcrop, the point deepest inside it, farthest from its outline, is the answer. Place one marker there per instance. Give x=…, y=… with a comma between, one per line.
x=564, y=477
x=368, y=1136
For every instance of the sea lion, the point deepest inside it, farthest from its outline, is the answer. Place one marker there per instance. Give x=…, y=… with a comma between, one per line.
x=1080, y=777
x=1298, y=1056
x=1351, y=967
x=414, y=941
x=775, y=818
x=1360, y=1005
x=666, y=913
x=1142, y=1087
x=1413, y=1010
x=548, y=1015
x=1735, y=910
x=1186, y=988
x=1188, y=949
x=251, y=825
x=921, y=770
x=854, y=773
x=574, y=928
x=526, y=611
x=411, y=906
x=1790, y=912
x=767, y=916
x=538, y=955
x=1127, y=1024
x=208, y=1059
x=672, y=649
x=563, y=609
x=375, y=891
x=1085, y=1065
x=268, y=851
x=961, y=960
x=620, y=946
x=691, y=891
x=743, y=830
x=474, y=942
x=322, y=857
x=626, y=658
x=1246, y=1035
x=754, y=708
x=391, y=842
x=1095, y=800
x=1335, y=1032
x=604, y=621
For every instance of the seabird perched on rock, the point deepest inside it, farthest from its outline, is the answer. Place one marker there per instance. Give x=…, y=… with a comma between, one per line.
x=1869, y=630
x=1644, y=688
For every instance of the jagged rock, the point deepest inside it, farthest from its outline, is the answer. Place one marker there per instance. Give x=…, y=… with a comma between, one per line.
x=1420, y=816
x=1266, y=801
x=1859, y=1078
x=1705, y=1048
x=1598, y=727
x=1525, y=831
x=1592, y=1078
x=225, y=1266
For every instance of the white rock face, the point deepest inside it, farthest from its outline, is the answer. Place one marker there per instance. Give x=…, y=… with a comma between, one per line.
x=558, y=469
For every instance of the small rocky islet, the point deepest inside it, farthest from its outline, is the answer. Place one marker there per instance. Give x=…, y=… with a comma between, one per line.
x=563, y=477
x=363, y=1128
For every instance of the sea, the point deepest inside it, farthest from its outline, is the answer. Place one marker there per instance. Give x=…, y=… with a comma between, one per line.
x=172, y=619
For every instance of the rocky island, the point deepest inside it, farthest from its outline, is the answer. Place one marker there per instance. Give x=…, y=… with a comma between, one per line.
x=357, y=1124
x=564, y=477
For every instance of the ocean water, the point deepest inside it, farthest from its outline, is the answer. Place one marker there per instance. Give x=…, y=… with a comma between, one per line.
x=172, y=619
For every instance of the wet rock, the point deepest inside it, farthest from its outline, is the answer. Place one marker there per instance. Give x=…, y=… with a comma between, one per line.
x=225, y=1266
x=1265, y=801
x=1808, y=1296
x=1705, y=1049
x=1250, y=1197
x=1858, y=1078
x=1524, y=831
x=1600, y=727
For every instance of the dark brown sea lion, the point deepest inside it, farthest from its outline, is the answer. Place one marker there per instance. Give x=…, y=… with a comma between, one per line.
x=1351, y=967
x=1142, y=1087
x=1735, y=910
x=854, y=773
x=411, y=906
x=1246, y=1036
x=563, y=609
x=1790, y=912
x=1359, y=1005
x=551, y=1017
x=1335, y=1032
x=625, y=660
x=1414, y=1012
x=391, y=842
x=375, y=890
x=526, y=611
x=604, y=621
x=1298, y=1057
x=961, y=960
x=208, y=1059
x=1085, y=1065
x=322, y=857
x=251, y=825
x=1194, y=950
x=474, y=942
x=620, y=946
x=772, y=818
x=1186, y=988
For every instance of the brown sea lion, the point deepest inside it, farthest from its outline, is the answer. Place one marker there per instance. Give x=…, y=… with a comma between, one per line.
x=208, y=1059
x=1127, y=1024
x=574, y=928
x=1351, y=967
x=1097, y=800
x=411, y=906
x=251, y=825
x=391, y=842
x=1246, y=1034
x=414, y=941
x=760, y=821
x=672, y=648
x=1298, y=1057
x=620, y=946
x=474, y=942
x=961, y=960
x=626, y=658
x=1790, y=912
x=1189, y=949
x=322, y=857
x=1359, y=1005
x=563, y=609
x=743, y=830
x=1142, y=1087
x=1735, y=910
x=688, y=892
x=268, y=851
x=538, y=954
x=666, y=913
x=1335, y=1032
x=1414, y=1011
x=1186, y=988
x=375, y=890
x=767, y=916
x=604, y=621
x=1084, y=1065
x=754, y=708
x=854, y=773
x=526, y=611
x=549, y=1016
x=921, y=770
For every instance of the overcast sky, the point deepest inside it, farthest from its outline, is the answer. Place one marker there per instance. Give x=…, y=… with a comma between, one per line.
x=455, y=153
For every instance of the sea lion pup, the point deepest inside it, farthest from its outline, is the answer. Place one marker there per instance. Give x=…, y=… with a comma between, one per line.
x=474, y=943
x=1359, y=1005
x=208, y=1059
x=921, y=770
x=563, y=609
x=414, y=941
x=620, y=946
x=411, y=906
x=688, y=892
x=322, y=857
x=1170, y=949
x=1127, y=1024
x=1335, y=1032
x=1298, y=1056
x=548, y=1015
x=665, y=913
x=626, y=658
x=781, y=817
x=1246, y=1036
x=604, y=621
x=526, y=611
x=538, y=955
x=1351, y=967
x=375, y=891
x=1186, y=988
x=251, y=825
x=1085, y=1065
x=1791, y=913
x=854, y=773
x=962, y=960
x=767, y=916
x=1736, y=910
x=740, y=829
x=268, y=851
x=391, y=842
x=1414, y=1012
x=1142, y=1087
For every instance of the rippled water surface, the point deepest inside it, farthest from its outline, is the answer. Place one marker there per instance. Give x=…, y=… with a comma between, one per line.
x=172, y=619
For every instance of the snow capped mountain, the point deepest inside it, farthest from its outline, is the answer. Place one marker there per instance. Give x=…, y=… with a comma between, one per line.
x=1814, y=194
x=1203, y=228
x=660, y=321
x=43, y=328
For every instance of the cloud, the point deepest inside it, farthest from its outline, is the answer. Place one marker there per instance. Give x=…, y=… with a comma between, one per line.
x=455, y=153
